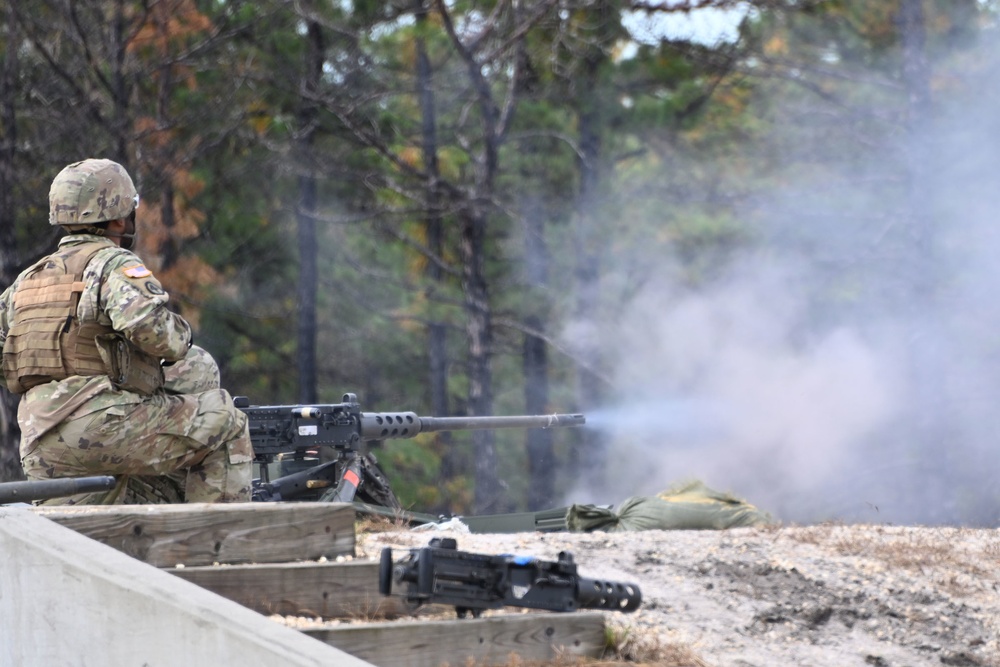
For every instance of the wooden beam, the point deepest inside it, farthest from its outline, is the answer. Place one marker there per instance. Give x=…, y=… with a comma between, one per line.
x=483, y=641
x=203, y=534
x=317, y=590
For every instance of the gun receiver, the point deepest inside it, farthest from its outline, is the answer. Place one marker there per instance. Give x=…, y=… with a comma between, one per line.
x=318, y=447
x=43, y=489
x=440, y=574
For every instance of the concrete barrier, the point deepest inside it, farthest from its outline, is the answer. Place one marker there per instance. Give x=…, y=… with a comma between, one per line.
x=70, y=601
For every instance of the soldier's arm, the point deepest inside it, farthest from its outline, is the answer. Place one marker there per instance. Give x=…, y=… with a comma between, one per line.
x=137, y=305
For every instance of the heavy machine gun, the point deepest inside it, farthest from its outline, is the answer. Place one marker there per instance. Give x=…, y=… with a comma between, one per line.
x=441, y=574
x=43, y=489
x=318, y=452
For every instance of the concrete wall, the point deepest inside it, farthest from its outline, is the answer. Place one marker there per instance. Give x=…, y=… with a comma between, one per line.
x=68, y=601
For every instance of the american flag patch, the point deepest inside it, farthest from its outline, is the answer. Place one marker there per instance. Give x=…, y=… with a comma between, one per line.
x=137, y=272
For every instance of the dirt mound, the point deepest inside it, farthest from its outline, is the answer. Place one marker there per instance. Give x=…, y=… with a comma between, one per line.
x=823, y=596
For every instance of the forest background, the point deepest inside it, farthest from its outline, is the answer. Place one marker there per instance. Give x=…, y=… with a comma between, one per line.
x=753, y=241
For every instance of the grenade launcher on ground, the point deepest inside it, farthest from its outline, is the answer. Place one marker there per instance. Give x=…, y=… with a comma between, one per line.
x=315, y=452
x=441, y=574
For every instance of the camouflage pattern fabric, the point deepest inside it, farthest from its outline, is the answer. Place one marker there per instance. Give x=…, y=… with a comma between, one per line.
x=189, y=434
x=123, y=294
x=195, y=373
x=121, y=433
x=91, y=191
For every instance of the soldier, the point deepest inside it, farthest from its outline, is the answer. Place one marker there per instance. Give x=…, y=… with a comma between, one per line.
x=111, y=382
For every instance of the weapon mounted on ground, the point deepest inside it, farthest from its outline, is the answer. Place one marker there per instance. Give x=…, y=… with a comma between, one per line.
x=43, y=489
x=316, y=452
x=441, y=574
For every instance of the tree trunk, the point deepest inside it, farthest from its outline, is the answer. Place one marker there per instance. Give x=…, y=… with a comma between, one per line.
x=10, y=434
x=535, y=361
x=437, y=343
x=474, y=215
x=489, y=491
x=169, y=249
x=121, y=124
x=587, y=461
x=489, y=496
x=307, y=285
x=306, y=220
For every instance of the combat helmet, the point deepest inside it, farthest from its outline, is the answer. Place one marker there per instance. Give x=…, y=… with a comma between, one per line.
x=91, y=191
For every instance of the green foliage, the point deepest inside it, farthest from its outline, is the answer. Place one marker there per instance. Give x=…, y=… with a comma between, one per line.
x=413, y=467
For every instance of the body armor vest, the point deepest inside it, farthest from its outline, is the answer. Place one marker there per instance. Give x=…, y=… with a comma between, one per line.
x=47, y=341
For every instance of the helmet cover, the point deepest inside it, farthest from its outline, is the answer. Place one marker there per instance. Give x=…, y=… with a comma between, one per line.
x=91, y=191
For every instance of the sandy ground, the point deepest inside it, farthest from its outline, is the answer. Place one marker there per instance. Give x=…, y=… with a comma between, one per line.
x=817, y=596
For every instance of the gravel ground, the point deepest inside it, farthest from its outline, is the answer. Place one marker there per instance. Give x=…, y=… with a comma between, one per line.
x=816, y=596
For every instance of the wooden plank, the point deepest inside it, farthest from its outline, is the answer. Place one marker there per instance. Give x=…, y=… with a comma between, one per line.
x=203, y=534
x=317, y=590
x=483, y=641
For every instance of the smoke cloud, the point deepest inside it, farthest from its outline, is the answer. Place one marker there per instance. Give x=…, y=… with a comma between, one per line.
x=813, y=378
x=722, y=385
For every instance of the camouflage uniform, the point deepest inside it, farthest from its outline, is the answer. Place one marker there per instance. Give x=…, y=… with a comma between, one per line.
x=185, y=440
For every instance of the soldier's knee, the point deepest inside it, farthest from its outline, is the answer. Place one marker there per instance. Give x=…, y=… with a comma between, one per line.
x=195, y=373
x=240, y=448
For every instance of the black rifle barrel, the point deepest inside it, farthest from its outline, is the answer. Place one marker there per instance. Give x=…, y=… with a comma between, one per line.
x=378, y=425
x=25, y=492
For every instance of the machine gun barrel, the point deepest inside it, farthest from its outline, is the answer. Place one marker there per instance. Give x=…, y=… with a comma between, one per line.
x=43, y=489
x=385, y=425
